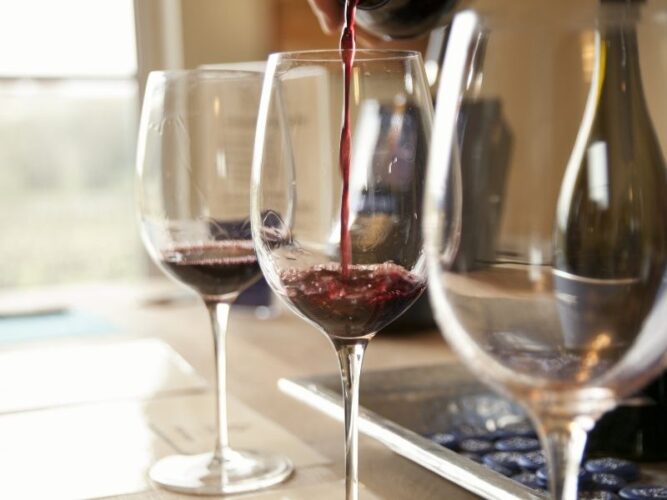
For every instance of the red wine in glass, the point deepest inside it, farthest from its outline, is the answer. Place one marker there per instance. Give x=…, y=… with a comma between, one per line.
x=347, y=295
x=195, y=224
x=356, y=305
x=213, y=269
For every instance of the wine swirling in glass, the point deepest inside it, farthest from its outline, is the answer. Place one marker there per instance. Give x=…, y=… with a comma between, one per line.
x=314, y=189
x=545, y=217
x=193, y=165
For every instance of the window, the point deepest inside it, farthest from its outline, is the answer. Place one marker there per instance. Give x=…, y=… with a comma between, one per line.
x=68, y=119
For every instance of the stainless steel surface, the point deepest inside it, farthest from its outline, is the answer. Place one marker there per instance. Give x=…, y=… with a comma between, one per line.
x=399, y=407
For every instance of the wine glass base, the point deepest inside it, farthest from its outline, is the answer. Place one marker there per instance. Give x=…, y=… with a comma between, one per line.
x=239, y=472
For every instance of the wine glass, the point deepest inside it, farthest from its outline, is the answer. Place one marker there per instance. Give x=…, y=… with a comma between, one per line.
x=299, y=199
x=193, y=180
x=546, y=209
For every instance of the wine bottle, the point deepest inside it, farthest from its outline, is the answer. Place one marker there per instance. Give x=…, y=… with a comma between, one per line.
x=395, y=19
x=610, y=238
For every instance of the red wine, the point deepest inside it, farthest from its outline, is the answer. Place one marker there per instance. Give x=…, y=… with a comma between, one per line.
x=352, y=305
x=347, y=50
x=213, y=269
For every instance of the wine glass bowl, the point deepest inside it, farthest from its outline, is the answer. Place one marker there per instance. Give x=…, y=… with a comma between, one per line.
x=546, y=207
x=193, y=181
x=297, y=186
x=342, y=249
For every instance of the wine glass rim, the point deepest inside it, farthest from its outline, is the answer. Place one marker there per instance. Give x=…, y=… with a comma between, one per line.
x=333, y=55
x=227, y=73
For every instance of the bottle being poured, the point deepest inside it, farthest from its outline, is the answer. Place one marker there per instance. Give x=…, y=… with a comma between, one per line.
x=392, y=19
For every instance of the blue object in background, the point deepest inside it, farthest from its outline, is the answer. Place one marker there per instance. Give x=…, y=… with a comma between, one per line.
x=258, y=294
x=52, y=325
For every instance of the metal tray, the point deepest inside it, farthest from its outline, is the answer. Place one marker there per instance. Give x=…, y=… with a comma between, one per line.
x=399, y=407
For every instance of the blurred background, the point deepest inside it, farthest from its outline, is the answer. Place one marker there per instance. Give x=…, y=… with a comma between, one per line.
x=71, y=77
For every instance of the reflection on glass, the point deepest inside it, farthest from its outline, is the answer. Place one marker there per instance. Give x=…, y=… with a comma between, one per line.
x=297, y=202
x=559, y=301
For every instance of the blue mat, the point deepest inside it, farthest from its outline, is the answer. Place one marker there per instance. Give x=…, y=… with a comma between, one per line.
x=51, y=326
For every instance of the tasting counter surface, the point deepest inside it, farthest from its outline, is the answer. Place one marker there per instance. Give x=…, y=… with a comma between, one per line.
x=85, y=415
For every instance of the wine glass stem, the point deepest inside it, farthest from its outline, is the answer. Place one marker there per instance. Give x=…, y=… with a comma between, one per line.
x=219, y=314
x=351, y=357
x=564, y=439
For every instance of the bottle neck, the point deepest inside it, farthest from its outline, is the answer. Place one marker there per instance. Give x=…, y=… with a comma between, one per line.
x=623, y=89
x=618, y=20
x=622, y=72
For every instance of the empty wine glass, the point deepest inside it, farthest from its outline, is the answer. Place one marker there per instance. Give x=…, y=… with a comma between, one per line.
x=546, y=209
x=193, y=166
x=299, y=199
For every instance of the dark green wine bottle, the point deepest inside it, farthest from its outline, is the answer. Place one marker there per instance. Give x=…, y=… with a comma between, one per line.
x=403, y=18
x=611, y=220
x=610, y=241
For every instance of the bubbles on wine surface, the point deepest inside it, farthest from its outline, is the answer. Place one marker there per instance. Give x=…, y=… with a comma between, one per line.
x=352, y=305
